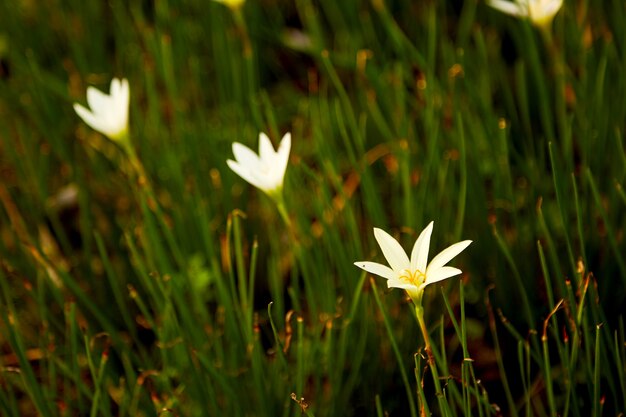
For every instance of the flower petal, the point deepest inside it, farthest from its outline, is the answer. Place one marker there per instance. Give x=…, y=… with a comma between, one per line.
x=99, y=103
x=446, y=255
x=266, y=150
x=508, y=7
x=440, y=274
x=543, y=11
x=90, y=119
x=115, y=87
x=395, y=283
x=376, y=269
x=245, y=173
x=395, y=255
x=282, y=155
x=419, y=254
x=121, y=97
x=553, y=6
x=245, y=156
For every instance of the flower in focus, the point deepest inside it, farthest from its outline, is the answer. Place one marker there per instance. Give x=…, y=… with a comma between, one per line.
x=414, y=274
x=540, y=12
x=266, y=170
x=108, y=113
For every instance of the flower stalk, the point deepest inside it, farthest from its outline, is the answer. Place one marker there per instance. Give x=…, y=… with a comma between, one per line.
x=282, y=209
x=432, y=365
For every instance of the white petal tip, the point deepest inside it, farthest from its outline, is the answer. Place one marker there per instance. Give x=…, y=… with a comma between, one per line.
x=286, y=140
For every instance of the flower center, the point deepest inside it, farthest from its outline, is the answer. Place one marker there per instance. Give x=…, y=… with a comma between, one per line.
x=416, y=277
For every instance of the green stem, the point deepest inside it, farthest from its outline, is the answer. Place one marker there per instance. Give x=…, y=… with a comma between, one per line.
x=240, y=21
x=419, y=312
x=145, y=189
x=284, y=214
x=282, y=209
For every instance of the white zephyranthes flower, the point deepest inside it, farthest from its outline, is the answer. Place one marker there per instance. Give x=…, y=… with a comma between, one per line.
x=414, y=274
x=108, y=113
x=266, y=170
x=540, y=12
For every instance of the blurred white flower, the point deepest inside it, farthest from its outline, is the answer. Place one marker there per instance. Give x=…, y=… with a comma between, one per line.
x=414, y=274
x=297, y=39
x=266, y=170
x=540, y=12
x=108, y=113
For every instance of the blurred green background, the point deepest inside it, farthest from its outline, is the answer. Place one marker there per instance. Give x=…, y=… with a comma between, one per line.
x=146, y=295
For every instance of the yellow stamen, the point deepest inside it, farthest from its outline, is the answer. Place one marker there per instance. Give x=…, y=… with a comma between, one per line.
x=416, y=277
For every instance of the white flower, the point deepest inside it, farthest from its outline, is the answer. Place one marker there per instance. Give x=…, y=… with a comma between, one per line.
x=413, y=274
x=108, y=114
x=266, y=170
x=540, y=12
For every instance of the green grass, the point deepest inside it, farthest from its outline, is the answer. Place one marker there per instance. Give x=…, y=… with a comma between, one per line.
x=180, y=290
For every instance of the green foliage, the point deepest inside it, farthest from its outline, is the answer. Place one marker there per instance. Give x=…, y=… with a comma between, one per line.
x=159, y=283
